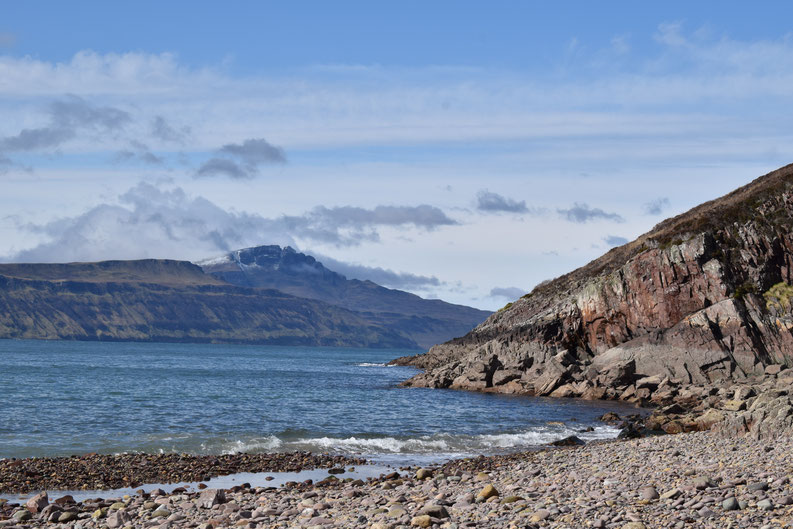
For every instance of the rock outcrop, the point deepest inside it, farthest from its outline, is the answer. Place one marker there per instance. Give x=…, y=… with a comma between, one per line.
x=759, y=406
x=703, y=300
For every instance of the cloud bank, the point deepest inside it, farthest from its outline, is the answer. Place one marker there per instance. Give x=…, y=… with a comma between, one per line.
x=685, y=85
x=150, y=222
x=162, y=130
x=349, y=225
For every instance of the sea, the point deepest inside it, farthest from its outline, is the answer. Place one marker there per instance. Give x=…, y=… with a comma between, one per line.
x=60, y=398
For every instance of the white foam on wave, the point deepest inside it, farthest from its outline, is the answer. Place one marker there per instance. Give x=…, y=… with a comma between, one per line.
x=377, y=445
x=448, y=443
x=542, y=436
x=442, y=444
x=259, y=444
x=372, y=364
x=599, y=433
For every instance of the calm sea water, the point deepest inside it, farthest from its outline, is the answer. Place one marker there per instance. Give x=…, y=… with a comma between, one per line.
x=63, y=398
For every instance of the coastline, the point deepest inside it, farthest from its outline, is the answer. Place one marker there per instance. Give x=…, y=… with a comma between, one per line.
x=697, y=479
x=727, y=477
x=732, y=476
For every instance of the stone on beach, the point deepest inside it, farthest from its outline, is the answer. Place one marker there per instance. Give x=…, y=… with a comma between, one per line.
x=211, y=497
x=423, y=473
x=649, y=493
x=435, y=511
x=423, y=520
x=37, y=503
x=488, y=492
x=602, y=485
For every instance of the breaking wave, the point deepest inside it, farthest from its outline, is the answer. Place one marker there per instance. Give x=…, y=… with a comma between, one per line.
x=446, y=443
x=442, y=445
x=262, y=444
x=372, y=364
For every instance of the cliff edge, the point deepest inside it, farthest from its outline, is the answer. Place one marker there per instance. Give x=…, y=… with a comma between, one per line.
x=702, y=299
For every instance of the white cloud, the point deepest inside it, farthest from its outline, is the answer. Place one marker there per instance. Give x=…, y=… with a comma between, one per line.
x=385, y=106
x=657, y=206
x=490, y=202
x=242, y=160
x=382, y=276
x=582, y=212
x=510, y=293
x=150, y=221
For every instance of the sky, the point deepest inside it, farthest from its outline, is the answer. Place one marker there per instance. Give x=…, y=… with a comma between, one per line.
x=459, y=150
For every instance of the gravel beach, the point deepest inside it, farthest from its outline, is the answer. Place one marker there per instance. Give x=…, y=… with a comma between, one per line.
x=103, y=472
x=697, y=479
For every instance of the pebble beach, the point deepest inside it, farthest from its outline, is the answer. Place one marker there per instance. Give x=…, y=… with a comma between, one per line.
x=699, y=479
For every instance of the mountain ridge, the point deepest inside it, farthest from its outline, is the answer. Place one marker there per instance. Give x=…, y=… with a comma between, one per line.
x=171, y=300
x=425, y=321
x=137, y=309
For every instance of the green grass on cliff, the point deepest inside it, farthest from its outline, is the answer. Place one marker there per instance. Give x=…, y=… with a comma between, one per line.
x=779, y=297
x=505, y=307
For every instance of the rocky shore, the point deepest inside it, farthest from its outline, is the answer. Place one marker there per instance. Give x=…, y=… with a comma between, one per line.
x=676, y=481
x=760, y=406
x=103, y=472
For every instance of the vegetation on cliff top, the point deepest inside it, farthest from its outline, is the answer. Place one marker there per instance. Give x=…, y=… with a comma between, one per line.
x=740, y=206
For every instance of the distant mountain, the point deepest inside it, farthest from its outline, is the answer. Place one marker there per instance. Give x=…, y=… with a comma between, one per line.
x=426, y=322
x=171, y=301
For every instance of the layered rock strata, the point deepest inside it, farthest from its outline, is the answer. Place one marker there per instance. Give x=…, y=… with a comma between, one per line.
x=703, y=300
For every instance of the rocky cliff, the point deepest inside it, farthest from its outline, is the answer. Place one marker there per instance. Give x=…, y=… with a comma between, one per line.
x=704, y=298
x=171, y=301
x=424, y=321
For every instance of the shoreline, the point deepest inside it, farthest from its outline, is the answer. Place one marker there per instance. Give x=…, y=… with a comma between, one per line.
x=130, y=470
x=758, y=405
x=696, y=479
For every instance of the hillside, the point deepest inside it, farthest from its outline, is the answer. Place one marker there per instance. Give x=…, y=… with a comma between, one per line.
x=424, y=321
x=161, y=300
x=703, y=297
x=160, y=271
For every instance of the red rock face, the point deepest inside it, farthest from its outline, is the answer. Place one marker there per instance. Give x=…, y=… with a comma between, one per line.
x=685, y=308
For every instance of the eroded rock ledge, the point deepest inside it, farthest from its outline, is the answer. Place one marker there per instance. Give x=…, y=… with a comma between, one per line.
x=693, y=310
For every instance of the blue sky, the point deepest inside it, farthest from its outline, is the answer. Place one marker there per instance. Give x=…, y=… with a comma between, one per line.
x=259, y=37
x=461, y=150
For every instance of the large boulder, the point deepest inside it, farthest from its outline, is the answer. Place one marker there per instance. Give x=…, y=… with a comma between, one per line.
x=37, y=503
